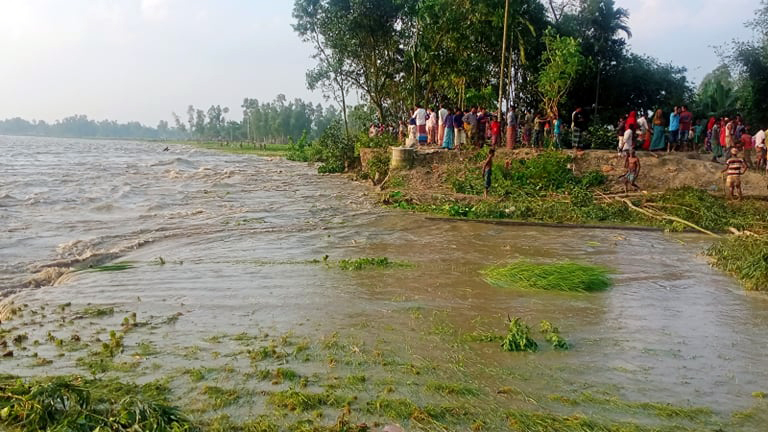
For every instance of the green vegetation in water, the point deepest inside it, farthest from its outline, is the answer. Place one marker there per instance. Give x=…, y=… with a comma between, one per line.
x=72, y=403
x=558, y=276
x=118, y=266
x=552, y=335
x=368, y=263
x=295, y=400
x=661, y=410
x=745, y=256
x=526, y=421
x=519, y=338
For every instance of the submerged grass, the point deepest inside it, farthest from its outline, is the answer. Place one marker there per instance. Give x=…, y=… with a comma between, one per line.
x=558, y=276
x=72, y=403
x=746, y=257
x=368, y=263
x=519, y=338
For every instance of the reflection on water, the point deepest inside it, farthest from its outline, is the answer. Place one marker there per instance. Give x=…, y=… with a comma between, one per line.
x=235, y=233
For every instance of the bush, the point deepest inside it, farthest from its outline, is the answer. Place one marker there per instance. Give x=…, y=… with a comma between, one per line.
x=601, y=137
x=377, y=167
x=378, y=141
x=333, y=149
x=298, y=151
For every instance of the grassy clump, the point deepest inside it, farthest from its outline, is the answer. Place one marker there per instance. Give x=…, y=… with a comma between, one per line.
x=525, y=421
x=519, y=338
x=746, y=257
x=368, y=262
x=71, y=403
x=558, y=276
x=552, y=335
x=294, y=400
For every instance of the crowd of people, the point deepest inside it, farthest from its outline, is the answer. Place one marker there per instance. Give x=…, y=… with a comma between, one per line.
x=728, y=138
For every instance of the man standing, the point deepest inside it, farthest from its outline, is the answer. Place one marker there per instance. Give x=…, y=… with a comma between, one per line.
x=420, y=115
x=441, y=124
x=760, y=148
x=511, y=128
x=431, y=127
x=686, y=121
x=470, y=124
x=674, y=129
x=735, y=168
x=458, y=129
x=578, y=123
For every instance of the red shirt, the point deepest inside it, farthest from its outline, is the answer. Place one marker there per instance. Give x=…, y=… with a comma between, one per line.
x=495, y=127
x=746, y=141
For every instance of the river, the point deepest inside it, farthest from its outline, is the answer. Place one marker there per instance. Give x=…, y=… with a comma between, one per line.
x=225, y=244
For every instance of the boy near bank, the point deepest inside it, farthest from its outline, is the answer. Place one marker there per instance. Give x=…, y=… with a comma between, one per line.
x=632, y=164
x=487, y=171
x=735, y=168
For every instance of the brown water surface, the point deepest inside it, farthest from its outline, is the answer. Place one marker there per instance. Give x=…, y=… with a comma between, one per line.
x=237, y=235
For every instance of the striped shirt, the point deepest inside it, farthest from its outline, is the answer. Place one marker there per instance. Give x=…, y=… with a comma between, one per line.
x=735, y=166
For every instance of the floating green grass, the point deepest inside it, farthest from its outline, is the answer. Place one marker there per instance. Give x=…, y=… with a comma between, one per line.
x=72, y=403
x=558, y=276
x=118, y=266
x=366, y=263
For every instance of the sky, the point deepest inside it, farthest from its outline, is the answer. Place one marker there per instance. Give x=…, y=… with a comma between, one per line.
x=143, y=59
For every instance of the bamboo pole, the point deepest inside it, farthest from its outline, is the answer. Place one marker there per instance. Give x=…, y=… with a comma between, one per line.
x=503, y=53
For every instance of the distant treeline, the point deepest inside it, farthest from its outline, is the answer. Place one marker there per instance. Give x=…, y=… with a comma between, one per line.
x=80, y=126
x=279, y=121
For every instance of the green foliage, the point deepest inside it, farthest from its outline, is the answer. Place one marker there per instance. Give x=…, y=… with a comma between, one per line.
x=72, y=403
x=552, y=335
x=297, y=151
x=377, y=141
x=601, y=137
x=518, y=338
x=746, y=257
x=378, y=165
x=561, y=63
x=547, y=172
x=333, y=149
x=558, y=276
x=367, y=263
x=294, y=400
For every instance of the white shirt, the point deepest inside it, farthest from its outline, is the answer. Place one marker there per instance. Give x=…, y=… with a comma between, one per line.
x=432, y=120
x=643, y=124
x=421, y=116
x=443, y=113
x=627, y=140
x=760, y=139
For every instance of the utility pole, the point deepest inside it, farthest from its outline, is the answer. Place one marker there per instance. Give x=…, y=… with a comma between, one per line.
x=503, y=52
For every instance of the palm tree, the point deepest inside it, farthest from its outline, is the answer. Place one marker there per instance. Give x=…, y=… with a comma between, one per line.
x=603, y=24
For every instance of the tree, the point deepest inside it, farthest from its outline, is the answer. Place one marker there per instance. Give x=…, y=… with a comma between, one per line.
x=561, y=63
x=329, y=74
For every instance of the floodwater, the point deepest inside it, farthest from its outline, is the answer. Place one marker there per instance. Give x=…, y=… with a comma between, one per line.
x=237, y=234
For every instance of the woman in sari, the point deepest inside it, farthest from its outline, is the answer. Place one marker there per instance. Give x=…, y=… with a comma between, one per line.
x=708, y=139
x=448, y=131
x=657, y=143
x=717, y=149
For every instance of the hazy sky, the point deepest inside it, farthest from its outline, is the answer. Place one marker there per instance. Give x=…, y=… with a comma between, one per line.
x=142, y=59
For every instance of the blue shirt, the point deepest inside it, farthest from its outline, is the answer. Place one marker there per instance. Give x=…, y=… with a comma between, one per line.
x=674, y=122
x=449, y=121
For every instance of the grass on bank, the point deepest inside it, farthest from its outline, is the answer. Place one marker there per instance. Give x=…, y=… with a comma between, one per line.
x=268, y=150
x=557, y=276
x=745, y=257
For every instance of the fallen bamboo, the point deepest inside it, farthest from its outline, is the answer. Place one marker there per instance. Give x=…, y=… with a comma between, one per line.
x=661, y=215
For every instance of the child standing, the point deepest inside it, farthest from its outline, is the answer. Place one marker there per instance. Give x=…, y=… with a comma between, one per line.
x=632, y=164
x=487, y=170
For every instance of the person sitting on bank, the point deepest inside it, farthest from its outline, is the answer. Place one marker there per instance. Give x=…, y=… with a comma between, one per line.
x=735, y=167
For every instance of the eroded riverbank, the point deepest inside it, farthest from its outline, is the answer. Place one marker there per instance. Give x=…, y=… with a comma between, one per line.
x=239, y=321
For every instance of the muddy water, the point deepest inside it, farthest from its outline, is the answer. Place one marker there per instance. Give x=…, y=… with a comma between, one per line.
x=236, y=235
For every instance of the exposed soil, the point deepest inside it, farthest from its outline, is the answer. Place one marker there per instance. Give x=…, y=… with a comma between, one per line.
x=659, y=172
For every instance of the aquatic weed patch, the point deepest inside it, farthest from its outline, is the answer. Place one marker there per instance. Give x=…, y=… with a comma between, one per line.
x=75, y=404
x=557, y=276
x=366, y=263
x=552, y=335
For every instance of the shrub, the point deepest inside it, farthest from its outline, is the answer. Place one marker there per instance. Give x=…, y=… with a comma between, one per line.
x=601, y=137
x=333, y=149
x=297, y=151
